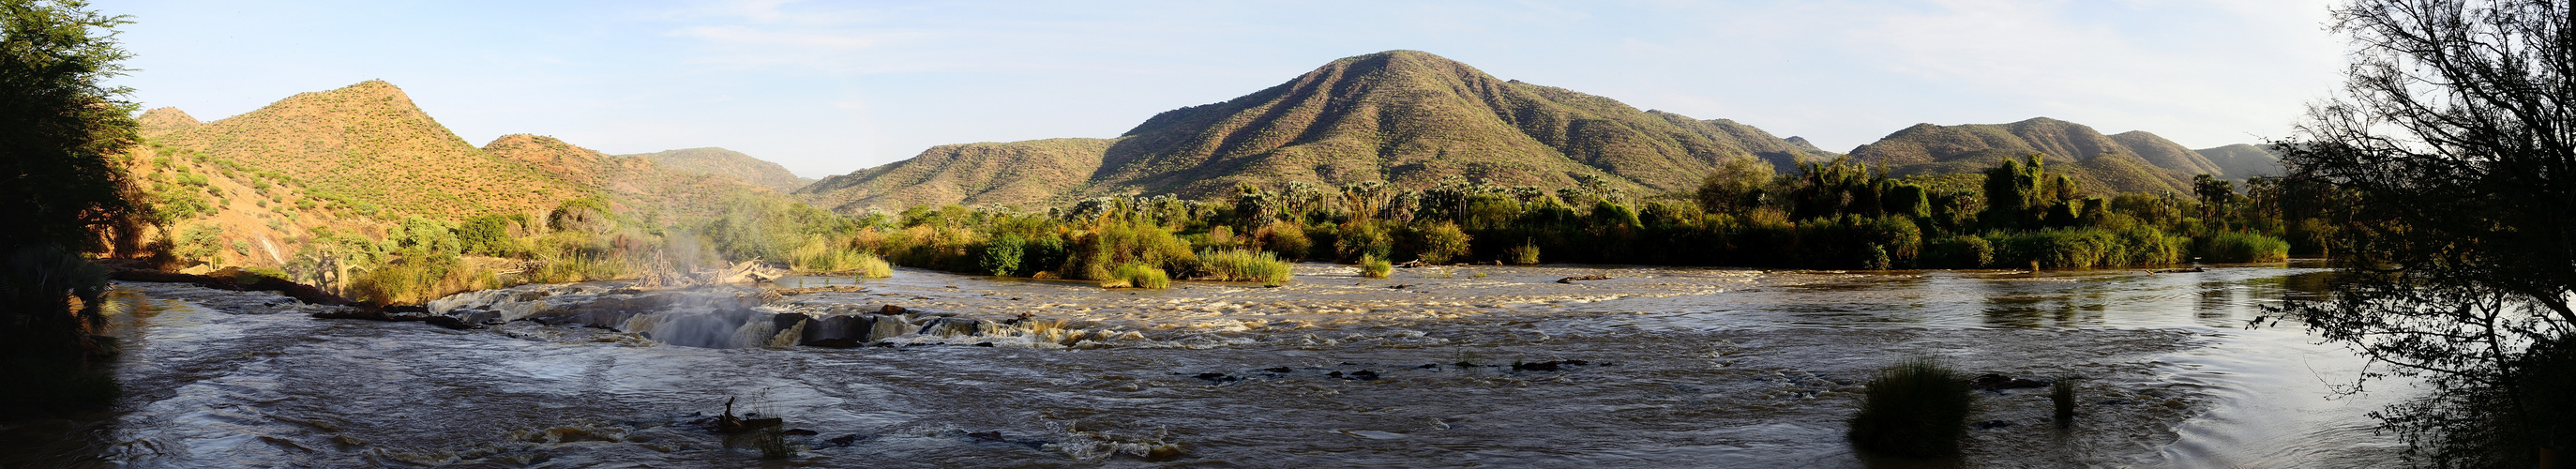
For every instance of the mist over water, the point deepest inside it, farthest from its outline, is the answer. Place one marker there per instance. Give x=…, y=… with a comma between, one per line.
x=1655, y=367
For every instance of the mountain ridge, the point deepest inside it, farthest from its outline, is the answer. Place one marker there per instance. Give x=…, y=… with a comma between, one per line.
x=1405, y=117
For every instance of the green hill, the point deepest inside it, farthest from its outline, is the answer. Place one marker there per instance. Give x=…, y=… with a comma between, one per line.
x=712, y=160
x=2242, y=161
x=1406, y=117
x=367, y=144
x=2128, y=162
x=636, y=186
x=975, y=173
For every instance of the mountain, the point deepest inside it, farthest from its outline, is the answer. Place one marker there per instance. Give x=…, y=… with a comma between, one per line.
x=1406, y=117
x=636, y=186
x=2242, y=161
x=367, y=146
x=165, y=120
x=729, y=163
x=973, y=173
x=2127, y=162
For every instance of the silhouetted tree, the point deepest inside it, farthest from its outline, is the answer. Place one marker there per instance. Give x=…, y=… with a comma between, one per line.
x=2454, y=143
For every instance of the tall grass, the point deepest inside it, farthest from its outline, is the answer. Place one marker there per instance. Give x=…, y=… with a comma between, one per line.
x=1915, y=408
x=1137, y=276
x=1524, y=254
x=2234, y=246
x=819, y=254
x=1244, y=265
x=871, y=266
x=2061, y=395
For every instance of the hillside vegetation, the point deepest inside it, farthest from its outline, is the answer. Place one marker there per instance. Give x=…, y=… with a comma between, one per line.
x=719, y=161
x=2128, y=162
x=1404, y=117
x=368, y=147
x=634, y=186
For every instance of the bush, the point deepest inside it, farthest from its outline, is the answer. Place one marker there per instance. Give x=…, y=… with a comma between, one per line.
x=1286, y=238
x=2244, y=247
x=45, y=388
x=1359, y=239
x=1002, y=256
x=1916, y=408
x=1524, y=254
x=1959, y=252
x=1373, y=267
x=1137, y=276
x=1444, y=242
x=1244, y=265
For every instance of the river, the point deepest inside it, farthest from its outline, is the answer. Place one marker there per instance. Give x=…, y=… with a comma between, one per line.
x=1654, y=367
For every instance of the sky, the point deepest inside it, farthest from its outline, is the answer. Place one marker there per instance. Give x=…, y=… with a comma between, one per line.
x=832, y=87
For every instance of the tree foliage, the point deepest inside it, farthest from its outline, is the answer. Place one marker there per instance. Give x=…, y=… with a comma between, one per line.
x=2453, y=145
x=59, y=124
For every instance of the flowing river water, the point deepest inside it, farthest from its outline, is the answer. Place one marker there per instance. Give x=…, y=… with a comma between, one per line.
x=1654, y=367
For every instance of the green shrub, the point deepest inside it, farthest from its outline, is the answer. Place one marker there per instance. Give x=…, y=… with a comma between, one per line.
x=1373, y=267
x=1363, y=238
x=1002, y=256
x=1244, y=265
x=1524, y=254
x=1959, y=252
x=1095, y=253
x=1916, y=408
x=1286, y=238
x=1137, y=276
x=2244, y=247
x=1443, y=242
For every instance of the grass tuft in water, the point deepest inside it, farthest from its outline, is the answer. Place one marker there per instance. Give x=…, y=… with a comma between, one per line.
x=1137, y=276
x=773, y=444
x=1915, y=408
x=1373, y=267
x=2062, y=394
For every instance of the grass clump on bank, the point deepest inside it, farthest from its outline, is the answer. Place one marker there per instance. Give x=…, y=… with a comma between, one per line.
x=1373, y=267
x=1244, y=265
x=1915, y=408
x=871, y=266
x=1137, y=276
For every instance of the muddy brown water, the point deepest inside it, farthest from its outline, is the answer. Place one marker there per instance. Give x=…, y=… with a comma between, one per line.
x=1655, y=367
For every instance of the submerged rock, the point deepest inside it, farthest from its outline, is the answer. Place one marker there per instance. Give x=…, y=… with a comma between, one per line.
x=1996, y=382
x=1586, y=277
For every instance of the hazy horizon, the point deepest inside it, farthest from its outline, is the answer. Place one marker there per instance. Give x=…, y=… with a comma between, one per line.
x=831, y=88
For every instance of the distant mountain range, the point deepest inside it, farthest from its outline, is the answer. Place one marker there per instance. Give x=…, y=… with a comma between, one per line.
x=1412, y=118
x=2134, y=161
x=1407, y=117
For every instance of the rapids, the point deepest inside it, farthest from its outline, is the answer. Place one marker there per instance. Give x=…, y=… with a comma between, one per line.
x=1468, y=366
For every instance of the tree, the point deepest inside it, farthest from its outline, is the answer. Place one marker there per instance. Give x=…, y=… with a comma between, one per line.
x=60, y=124
x=2452, y=147
x=1735, y=187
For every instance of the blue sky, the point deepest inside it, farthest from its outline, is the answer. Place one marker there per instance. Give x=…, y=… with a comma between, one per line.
x=832, y=87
